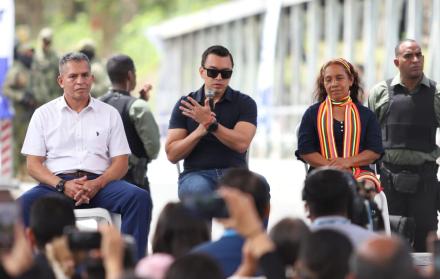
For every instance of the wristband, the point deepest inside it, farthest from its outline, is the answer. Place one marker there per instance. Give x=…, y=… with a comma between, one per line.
x=209, y=123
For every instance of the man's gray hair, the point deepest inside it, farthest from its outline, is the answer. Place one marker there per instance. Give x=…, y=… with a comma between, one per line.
x=72, y=56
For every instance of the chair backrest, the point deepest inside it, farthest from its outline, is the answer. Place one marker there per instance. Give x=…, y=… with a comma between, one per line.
x=88, y=218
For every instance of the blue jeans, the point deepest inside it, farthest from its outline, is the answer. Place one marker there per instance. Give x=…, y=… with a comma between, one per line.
x=200, y=182
x=133, y=203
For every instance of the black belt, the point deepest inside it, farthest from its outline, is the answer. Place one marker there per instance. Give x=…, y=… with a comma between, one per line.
x=79, y=173
x=412, y=168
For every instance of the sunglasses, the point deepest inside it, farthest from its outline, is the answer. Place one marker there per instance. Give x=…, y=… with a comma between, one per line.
x=213, y=73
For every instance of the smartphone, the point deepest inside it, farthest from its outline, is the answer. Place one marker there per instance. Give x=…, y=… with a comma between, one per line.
x=9, y=214
x=207, y=206
x=83, y=240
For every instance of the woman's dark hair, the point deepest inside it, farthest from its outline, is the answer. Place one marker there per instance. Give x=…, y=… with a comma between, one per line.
x=194, y=266
x=178, y=231
x=356, y=90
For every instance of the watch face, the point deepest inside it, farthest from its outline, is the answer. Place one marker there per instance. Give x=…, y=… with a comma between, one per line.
x=60, y=186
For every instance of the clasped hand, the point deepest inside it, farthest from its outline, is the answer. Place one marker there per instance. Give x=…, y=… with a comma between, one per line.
x=82, y=190
x=342, y=163
x=201, y=114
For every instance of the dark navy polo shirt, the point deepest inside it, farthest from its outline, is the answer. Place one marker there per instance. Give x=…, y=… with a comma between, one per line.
x=308, y=140
x=210, y=153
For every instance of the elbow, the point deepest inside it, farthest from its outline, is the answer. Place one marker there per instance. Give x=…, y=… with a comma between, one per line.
x=242, y=148
x=171, y=157
x=375, y=156
x=30, y=168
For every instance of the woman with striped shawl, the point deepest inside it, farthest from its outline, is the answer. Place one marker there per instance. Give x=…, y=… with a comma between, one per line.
x=338, y=130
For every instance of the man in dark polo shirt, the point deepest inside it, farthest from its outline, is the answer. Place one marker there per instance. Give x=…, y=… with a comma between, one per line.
x=211, y=128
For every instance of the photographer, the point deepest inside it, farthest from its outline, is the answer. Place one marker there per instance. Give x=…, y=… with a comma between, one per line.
x=329, y=201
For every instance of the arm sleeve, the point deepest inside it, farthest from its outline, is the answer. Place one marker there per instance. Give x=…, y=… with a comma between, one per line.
x=248, y=111
x=146, y=127
x=10, y=86
x=307, y=135
x=373, y=137
x=177, y=120
x=378, y=100
x=437, y=103
x=34, y=143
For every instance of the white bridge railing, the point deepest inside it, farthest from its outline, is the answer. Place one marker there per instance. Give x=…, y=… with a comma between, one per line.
x=308, y=33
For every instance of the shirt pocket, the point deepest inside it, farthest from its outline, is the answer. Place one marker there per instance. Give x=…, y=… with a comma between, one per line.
x=98, y=142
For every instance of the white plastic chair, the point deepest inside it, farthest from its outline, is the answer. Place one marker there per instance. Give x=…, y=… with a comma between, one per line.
x=381, y=200
x=92, y=217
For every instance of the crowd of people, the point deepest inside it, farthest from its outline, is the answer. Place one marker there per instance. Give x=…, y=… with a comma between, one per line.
x=87, y=152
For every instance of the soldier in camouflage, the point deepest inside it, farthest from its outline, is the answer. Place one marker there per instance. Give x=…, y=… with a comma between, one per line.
x=17, y=87
x=45, y=69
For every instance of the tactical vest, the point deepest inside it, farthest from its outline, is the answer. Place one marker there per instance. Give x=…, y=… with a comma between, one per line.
x=122, y=101
x=410, y=121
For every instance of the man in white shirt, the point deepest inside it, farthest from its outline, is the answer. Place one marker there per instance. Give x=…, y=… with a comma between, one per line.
x=76, y=146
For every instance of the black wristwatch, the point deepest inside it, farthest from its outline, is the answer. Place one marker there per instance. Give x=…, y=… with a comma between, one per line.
x=60, y=186
x=213, y=126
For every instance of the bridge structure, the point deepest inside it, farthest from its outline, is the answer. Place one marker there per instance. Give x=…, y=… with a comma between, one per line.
x=278, y=47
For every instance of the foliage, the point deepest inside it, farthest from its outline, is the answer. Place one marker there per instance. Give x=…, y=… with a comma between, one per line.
x=116, y=26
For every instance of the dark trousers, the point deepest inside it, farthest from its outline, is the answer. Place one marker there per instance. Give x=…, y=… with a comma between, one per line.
x=421, y=205
x=134, y=205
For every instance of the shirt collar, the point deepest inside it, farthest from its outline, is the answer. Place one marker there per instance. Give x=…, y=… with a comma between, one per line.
x=397, y=80
x=200, y=94
x=327, y=220
x=62, y=104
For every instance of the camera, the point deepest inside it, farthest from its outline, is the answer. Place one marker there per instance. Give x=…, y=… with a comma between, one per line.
x=83, y=240
x=207, y=206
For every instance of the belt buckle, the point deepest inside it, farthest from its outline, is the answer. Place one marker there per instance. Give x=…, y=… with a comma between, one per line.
x=81, y=173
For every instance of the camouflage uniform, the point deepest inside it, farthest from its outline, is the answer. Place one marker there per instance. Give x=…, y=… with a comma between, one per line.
x=45, y=70
x=45, y=85
x=17, y=87
x=102, y=82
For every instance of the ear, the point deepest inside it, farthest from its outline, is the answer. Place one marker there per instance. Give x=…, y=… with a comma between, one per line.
x=201, y=71
x=130, y=75
x=307, y=210
x=351, y=81
x=31, y=237
x=60, y=81
x=396, y=62
x=267, y=211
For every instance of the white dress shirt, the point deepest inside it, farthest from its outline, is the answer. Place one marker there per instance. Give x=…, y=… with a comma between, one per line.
x=73, y=141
